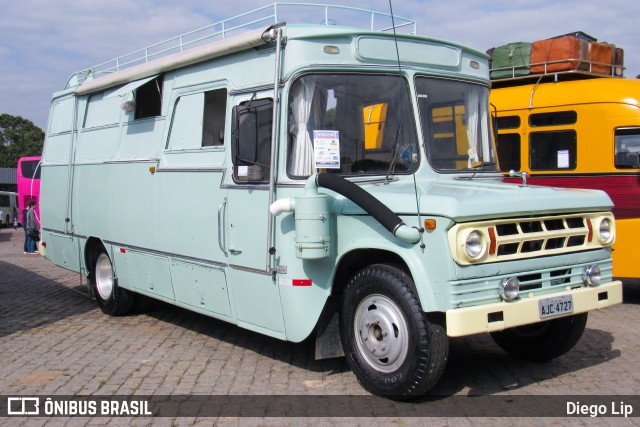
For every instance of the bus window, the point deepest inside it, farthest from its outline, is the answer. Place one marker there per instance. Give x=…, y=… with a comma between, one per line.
x=102, y=111
x=553, y=119
x=627, y=148
x=508, y=122
x=215, y=107
x=553, y=150
x=149, y=99
x=508, y=146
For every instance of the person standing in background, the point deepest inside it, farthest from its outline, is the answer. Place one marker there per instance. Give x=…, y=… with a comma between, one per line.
x=32, y=229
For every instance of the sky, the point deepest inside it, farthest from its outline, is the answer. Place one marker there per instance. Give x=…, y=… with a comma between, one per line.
x=43, y=42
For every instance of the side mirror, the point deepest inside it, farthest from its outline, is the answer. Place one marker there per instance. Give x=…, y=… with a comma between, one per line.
x=251, y=146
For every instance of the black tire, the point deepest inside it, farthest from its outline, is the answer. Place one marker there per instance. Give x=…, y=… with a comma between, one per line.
x=112, y=299
x=407, y=349
x=541, y=342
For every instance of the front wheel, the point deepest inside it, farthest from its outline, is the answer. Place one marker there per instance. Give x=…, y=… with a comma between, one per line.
x=541, y=342
x=111, y=299
x=393, y=347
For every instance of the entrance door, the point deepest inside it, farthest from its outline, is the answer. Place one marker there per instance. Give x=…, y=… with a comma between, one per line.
x=255, y=292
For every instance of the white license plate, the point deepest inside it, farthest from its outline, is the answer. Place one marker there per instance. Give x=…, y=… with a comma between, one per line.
x=555, y=306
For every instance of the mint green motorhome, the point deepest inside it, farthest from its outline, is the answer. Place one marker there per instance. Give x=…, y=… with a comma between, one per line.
x=320, y=179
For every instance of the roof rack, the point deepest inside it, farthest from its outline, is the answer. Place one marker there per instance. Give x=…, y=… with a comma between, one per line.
x=270, y=14
x=583, y=70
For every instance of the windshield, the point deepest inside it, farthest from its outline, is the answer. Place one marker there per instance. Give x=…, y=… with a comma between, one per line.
x=352, y=125
x=455, y=125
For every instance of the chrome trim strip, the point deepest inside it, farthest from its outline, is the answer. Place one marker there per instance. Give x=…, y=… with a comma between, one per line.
x=170, y=255
x=211, y=170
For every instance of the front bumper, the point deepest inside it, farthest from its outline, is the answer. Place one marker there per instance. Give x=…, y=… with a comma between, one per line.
x=503, y=315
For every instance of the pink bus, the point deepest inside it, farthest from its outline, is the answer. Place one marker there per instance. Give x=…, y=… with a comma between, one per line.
x=29, y=183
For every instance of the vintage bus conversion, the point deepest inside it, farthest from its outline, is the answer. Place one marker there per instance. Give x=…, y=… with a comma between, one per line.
x=335, y=180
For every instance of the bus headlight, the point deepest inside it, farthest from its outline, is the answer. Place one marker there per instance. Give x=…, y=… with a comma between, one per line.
x=474, y=245
x=510, y=289
x=592, y=275
x=605, y=231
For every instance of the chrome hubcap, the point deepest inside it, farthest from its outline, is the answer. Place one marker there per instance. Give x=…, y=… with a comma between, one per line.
x=104, y=277
x=381, y=333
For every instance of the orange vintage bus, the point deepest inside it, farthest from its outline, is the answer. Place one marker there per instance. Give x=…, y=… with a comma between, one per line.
x=577, y=130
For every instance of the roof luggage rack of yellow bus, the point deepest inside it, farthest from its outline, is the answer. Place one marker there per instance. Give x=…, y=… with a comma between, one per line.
x=584, y=71
x=318, y=14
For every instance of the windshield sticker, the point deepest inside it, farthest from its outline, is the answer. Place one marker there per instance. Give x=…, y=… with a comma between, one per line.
x=563, y=159
x=326, y=149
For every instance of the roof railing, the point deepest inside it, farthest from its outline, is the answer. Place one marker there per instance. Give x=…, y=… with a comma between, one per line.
x=583, y=67
x=270, y=14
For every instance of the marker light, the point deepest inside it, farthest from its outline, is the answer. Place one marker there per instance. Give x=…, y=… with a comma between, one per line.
x=430, y=224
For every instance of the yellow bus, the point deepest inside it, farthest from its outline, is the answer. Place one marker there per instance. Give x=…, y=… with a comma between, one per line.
x=576, y=130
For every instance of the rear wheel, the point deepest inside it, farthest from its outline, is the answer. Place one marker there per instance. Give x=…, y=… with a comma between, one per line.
x=111, y=299
x=543, y=341
x=392, y=346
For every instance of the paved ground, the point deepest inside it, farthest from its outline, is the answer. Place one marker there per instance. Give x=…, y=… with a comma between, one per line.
x=55, y=341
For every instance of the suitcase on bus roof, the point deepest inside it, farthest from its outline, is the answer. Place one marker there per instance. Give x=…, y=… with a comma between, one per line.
x=601, y=56
x=578, y=35
x=560, y=54
x=515, y=56
x=618, y=62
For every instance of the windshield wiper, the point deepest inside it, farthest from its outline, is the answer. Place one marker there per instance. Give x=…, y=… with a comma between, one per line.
x=486, y=166
x=395, y=153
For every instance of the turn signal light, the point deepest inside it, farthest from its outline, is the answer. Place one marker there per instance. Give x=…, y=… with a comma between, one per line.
x=429, y=224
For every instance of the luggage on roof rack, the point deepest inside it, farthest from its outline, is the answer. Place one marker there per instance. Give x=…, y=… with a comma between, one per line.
x=578, y=35
x=511, y=60
x=559, y=54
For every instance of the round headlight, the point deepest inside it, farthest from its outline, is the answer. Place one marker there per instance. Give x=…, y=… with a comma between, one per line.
x=592, y=275
x=473, y=245
x=510, y=289
x=605, y=230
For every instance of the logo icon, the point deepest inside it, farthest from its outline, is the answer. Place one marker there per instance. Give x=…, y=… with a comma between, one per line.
x=23, y=406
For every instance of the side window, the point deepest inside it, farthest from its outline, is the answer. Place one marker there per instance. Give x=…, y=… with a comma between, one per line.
x=508, y=146
x=627, y=148
x=198, y=120
x=508, y=122
x=215, y=107
x=102, y=111
x=553, y=119
x=553, y=150
x=61, y=116
x=149, y=99
x=251, y=146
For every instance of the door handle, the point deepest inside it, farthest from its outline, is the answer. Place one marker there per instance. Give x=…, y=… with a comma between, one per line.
x=221, y=236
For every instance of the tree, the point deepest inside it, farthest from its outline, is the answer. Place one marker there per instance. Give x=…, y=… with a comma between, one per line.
x=19, y=137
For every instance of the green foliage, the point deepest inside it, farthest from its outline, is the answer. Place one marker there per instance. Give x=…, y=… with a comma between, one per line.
x=19, y=137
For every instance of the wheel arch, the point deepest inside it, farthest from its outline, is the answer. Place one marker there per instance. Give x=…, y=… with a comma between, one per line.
x=328, y=342
x=355, y=260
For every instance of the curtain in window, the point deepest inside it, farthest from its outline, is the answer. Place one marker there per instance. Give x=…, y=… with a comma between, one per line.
x=301, y=159
x=476, y=115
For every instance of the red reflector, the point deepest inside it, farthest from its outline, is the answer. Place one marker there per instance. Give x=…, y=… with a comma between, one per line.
x=301, y=282
x=492, y=241
x=123, y=251
x=590, y=227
